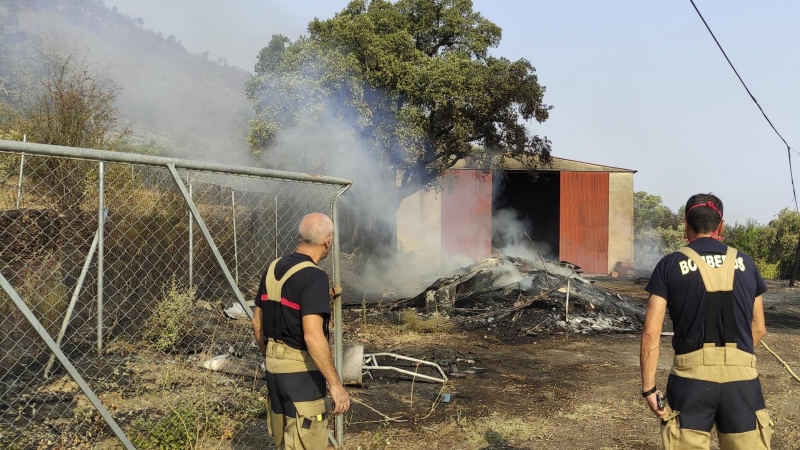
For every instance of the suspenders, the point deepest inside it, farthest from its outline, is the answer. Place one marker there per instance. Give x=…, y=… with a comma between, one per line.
x=274, y=289
x=719, y=294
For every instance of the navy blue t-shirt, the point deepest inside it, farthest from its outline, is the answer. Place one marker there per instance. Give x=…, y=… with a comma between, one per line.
x=306, y=292
x=677, y=279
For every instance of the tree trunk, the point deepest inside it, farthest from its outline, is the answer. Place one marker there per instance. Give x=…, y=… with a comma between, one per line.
x=796, y=262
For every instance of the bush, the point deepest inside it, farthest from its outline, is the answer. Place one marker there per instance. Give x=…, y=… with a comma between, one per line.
x=170, y=322
x=768, y=271
x=185, y=427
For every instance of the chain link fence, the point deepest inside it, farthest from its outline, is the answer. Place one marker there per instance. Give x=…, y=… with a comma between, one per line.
x=145, y=292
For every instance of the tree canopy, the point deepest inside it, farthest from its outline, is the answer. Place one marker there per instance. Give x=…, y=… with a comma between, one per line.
x=413, y=78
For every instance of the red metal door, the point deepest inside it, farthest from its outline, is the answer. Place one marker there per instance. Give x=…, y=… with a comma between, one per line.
x=467, y=214
x=584, y=220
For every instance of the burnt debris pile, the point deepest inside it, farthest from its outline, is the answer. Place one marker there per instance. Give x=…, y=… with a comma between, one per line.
x=526, y=297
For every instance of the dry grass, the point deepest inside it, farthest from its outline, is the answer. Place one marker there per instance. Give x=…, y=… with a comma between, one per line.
x=501, y=429
x=586, y=411
x=411, y=321
x=459, y=432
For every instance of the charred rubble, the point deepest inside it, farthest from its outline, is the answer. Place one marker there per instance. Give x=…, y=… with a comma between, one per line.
x=500, y=290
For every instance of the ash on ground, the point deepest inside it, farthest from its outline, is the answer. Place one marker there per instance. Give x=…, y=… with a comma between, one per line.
x=526, y=297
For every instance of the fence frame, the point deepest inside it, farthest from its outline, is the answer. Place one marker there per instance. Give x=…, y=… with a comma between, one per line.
x=173, y=164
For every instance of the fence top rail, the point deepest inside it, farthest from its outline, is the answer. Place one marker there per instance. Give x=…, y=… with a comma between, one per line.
x=135, y=158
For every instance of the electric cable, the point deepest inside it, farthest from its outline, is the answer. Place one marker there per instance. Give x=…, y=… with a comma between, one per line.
x=789, y=149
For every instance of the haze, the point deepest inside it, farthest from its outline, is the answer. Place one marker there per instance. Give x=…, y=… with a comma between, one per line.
x=634, y=84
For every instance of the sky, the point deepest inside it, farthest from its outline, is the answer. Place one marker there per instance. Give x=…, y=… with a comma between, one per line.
x=634, y=84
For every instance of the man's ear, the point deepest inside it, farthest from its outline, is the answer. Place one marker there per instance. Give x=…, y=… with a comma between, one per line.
x=721, y=227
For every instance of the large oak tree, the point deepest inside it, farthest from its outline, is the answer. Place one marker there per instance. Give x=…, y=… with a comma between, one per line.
x=413, y=79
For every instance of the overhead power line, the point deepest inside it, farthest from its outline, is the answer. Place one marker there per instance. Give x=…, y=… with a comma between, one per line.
x=789, y=149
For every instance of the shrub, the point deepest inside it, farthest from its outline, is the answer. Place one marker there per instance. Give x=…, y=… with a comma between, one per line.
x=171, y=319
x=768, y=271
x=185, y=427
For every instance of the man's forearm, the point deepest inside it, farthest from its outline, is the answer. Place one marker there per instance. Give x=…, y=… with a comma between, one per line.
x=651, y=340
x=648, y=360
x=262, y=346
x=258, y=332
x=758, y=332
x=321, y=354
x=757, y=326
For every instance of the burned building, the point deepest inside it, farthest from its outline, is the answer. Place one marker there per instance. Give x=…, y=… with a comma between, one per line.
x=574, y=211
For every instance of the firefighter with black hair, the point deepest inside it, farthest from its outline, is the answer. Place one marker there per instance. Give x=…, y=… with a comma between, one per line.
x=290, y=323
x=714, y=296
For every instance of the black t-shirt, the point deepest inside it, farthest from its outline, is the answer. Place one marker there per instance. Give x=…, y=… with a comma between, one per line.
x=675, y=280
x=306, y=292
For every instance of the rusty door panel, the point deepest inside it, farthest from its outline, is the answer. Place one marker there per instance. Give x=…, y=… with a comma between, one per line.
x=467, y=214
x=584, y=220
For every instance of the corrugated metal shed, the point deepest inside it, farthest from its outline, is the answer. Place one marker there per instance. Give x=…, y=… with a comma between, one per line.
x=467, y=214
x=590, y=210
x=584, y=220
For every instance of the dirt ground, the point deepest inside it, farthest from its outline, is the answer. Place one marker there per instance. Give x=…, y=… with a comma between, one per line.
x=544, y=390
x=551, y=391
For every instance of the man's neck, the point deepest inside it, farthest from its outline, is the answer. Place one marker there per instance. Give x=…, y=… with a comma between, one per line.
x=309, y=251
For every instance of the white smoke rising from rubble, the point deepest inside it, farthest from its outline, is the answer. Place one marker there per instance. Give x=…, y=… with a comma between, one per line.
x=510, y=229
x=516, y=233
x=331, y=146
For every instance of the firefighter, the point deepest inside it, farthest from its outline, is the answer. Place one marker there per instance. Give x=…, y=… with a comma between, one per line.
x=290, y=323
x=713, y=293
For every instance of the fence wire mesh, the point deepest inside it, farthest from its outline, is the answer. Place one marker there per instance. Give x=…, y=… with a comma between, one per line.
x=169, y=351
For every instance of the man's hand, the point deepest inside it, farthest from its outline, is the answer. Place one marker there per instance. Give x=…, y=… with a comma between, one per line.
x=340, y=399
x=652, y=402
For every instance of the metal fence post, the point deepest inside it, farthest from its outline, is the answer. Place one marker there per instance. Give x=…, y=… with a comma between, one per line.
x=62, y=358
x=21, y=167
x=235, y=245
x=100, y=232
x=276, y=226
x=191, y=238
x=209, y=240
x=337, y=311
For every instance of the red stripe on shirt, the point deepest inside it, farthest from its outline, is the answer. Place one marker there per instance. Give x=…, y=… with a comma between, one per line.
x=290, y=304
x=264, y=297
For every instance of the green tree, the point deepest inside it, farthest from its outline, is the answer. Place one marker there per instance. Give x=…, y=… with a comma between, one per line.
x=747, y=237
x=412, y=78
x=649, y=212
x=780, y=240
x=657, y=230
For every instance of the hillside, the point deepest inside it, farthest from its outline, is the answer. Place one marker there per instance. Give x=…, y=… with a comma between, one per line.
x=192, y=105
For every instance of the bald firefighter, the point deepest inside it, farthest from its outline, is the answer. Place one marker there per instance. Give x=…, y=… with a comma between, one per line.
x=290, y=322
x=713, y=293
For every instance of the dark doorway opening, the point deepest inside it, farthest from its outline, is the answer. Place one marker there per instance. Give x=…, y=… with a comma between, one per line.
x=521, y=204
